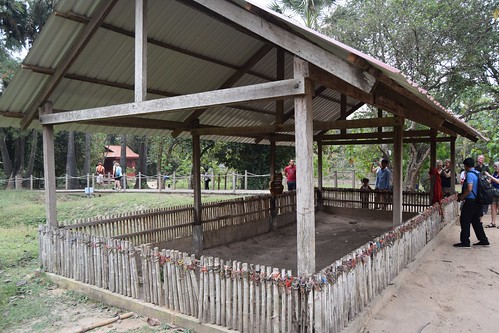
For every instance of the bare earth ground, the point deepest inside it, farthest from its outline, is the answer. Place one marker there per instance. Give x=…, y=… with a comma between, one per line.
x=69, y=314
x=447, y=290
x=335, y=237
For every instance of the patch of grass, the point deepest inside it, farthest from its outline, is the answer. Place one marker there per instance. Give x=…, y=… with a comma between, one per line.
x=23, y=293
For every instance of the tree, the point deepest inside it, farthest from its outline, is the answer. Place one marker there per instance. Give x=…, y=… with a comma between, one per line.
x=448, y=47
x=311, y=11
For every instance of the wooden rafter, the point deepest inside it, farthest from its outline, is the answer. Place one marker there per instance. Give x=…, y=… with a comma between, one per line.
x=152, y=41
x=231, y=81
x=72, y=54
x=317, y=125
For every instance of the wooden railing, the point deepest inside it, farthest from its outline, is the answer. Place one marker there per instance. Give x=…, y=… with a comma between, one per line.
x=241, y=296
x=412, y=202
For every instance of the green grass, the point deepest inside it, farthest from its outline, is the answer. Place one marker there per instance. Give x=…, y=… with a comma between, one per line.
x=23, y=296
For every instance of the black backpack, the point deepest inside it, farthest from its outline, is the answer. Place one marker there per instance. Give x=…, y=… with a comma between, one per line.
x=485, y=190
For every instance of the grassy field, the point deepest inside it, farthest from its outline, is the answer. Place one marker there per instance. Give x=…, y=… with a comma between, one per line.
x=25, y=302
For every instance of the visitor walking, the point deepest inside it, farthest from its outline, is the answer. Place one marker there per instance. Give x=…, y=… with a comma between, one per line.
x=99, y=171
x=118, y=173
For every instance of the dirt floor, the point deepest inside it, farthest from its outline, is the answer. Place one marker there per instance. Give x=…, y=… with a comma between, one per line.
x=335, y=236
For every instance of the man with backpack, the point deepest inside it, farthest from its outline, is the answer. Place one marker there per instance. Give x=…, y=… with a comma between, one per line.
x=472, y=208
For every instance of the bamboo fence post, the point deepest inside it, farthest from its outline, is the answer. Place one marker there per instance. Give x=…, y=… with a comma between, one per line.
x=192, y=303
x=110, y=255
x=157, y=270
x=284, y=297
x=201, y=289
x=206, y=291
x=258, y=307
x=223, y=293
x=195, y=285
x=318, y=325
x=235, y=274
x=289, y=305
x=180, y=276
x=275, y=305
x=218, y=300
x=133, y=271
x=176, y=291
x=171, y=294
x=228, y=294
x=268, y=301
x=245, y=294
x=166, y=280
x=251, y=277
x=239, y=297
x=211, y=288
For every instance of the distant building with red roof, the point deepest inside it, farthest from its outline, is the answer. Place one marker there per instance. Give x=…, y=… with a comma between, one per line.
x=113, y=153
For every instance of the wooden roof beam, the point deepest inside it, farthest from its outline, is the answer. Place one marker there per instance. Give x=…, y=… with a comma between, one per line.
x=263, y=91
x=71, y=55
x=407, y=134
x=324, y=125
x=385, y=141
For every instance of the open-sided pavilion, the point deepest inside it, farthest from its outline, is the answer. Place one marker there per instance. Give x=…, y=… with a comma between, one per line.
x=217, y=70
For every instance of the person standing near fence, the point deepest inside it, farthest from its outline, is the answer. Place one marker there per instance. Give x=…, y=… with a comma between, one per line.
x=481, y=167
x=471, y=211
x=290, y=174
x=494, y=179
x=445, y=177
x=99, y=171
x=364, y=192
x=117, y=173
x=383, y=183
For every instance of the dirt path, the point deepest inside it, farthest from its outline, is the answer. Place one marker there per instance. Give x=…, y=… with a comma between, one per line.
x=446, y=290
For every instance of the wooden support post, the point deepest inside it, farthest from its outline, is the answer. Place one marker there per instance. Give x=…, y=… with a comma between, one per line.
x=49, y=169
x=343, y=111
x=140, y=50
x=197, y=228
x=320, y=202
x=453, y=165
x=433, y=159
x=305, y=212
x=398, y=152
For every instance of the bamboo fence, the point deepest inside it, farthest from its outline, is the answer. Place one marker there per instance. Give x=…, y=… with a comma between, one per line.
x=412, y=202
x=241, y=296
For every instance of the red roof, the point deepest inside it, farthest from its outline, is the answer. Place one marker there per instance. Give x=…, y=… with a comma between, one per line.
x=115, y=152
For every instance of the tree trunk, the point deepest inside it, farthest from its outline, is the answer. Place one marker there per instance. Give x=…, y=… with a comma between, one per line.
x=417, y=155
x=7, y=162
x=141, y=163
x=123, y=153
x=32, y=153
x=86, y=164
x=71, y=162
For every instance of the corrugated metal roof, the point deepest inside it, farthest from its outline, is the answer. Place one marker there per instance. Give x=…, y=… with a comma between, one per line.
x=190, y=50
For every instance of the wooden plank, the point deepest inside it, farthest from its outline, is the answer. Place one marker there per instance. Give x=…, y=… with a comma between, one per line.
x=256, y=92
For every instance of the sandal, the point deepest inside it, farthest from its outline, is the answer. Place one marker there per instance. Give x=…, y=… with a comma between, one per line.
x=490, y=225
